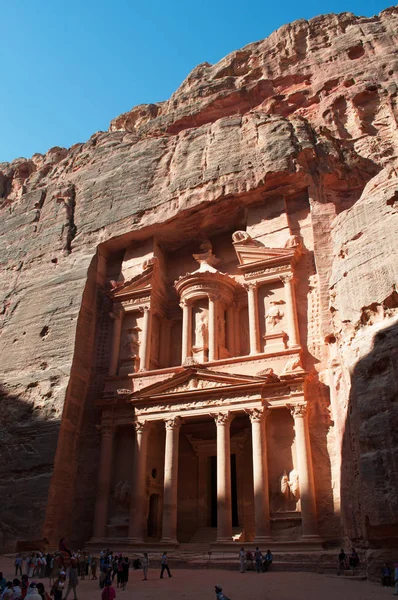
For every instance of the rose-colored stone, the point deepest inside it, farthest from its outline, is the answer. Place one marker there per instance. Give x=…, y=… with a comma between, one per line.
x=290, y=144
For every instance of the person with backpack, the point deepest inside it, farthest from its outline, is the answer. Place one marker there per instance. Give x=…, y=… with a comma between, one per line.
x=220, y=594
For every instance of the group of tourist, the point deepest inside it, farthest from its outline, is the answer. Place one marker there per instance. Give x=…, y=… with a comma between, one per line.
x=248, y=561
x=346, y=561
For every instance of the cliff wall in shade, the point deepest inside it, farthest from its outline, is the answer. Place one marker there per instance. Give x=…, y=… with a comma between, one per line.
x=310, y=110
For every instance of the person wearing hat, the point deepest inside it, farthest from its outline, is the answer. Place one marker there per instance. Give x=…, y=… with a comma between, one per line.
x=219, y=593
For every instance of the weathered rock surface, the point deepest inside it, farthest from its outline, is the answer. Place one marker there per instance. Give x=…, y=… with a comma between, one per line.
x=313, y=107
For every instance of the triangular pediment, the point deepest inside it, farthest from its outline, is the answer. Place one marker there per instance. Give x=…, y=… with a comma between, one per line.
x=133, y=287
x=195, y=379
x=251, y=251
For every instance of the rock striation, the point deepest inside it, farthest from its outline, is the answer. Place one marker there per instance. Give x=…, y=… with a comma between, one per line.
x=310, y=112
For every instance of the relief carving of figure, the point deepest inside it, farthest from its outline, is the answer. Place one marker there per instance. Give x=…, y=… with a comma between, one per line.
x=131, y=343
x=290, y=490
x=122, y=493
x=201, y=331
x=221, y=330
x=294, y=485
x=274, y=313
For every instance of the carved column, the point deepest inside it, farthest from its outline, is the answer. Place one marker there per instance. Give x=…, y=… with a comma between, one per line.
x=165, y=343
x=202, y=490
x=145, y=348
x=169, y=528
x=238, y=349
x=138, y=488
x=254, y=329
x=291, y=312
x=186, y=330
x=231, y=330
x=306, y=476
x=213, y=298
x=224, y=506
x=104, y=481
x=260, y=476
x=117, y=316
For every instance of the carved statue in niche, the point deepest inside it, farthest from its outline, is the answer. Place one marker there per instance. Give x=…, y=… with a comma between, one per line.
x=131, y=345
x=290, y=490
x=221, y=330
x=274, y=313
x=201, y=330
x=122, y=493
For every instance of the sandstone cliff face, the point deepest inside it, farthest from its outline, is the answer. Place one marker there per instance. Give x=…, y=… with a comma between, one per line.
x=313, y=107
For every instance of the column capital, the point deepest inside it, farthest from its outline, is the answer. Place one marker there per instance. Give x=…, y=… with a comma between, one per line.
x=140, y=426
x=298, y=410
x=106, y=429
x=257, y=414
x=288, y=278
x=144, y=308
x=250, y=285
x=222, y=418
x=173, y=423
x=214, y=297
x=117, y=312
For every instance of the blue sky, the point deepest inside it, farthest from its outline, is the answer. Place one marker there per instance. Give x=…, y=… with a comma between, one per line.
x=69, y=66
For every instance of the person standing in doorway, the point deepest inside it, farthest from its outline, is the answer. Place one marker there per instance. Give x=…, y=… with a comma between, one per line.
x=145, y=566
x=164, y=565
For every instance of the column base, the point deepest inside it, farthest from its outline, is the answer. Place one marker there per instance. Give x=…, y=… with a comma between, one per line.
x=169, y=542
x=263, y=539
x=311, y=538
x=135, y=540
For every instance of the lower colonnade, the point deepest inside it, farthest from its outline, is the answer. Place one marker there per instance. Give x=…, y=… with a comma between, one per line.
x=171, y=425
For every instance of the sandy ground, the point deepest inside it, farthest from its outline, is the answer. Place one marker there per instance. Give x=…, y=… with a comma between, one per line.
x=199, y=585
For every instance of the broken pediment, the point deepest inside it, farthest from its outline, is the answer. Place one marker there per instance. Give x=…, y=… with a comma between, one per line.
x=250, y=251
x=193, y=379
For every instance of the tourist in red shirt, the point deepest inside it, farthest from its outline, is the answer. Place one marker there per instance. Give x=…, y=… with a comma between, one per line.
x=108, y=593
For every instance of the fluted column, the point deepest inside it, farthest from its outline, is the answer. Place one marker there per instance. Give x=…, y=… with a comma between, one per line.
x=138, y=488
x=145, y=348
x=104, y=481
x=224, y=506
x=117, y=316
x=170, y=492
x=213, y=327
x=291, y=312
x=260, y=475
x=186, y=330
x=305, y=471
x=254, y=329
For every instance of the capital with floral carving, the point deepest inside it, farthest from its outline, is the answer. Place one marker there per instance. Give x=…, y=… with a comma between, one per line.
x=298, y=411
x=250, y=285
x=173, y=423
x=223, y=418
x=257, y=415
x=106, y=429
x=140, y=426
x=117, y=312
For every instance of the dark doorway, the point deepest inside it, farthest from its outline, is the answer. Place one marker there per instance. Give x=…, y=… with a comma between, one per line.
x=213, y=491
x=153, y=515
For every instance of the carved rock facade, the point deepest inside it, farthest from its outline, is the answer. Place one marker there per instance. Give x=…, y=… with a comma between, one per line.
x=215, y=276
